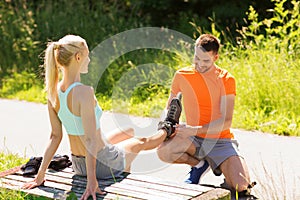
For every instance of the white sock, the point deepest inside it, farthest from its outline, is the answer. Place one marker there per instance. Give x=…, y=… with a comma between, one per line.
x=200, y=164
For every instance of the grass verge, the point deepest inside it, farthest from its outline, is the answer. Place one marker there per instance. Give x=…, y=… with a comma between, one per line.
x=9, y=160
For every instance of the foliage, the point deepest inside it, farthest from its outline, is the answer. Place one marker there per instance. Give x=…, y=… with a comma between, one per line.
x=130, y=64
x=264, y=58
x=176, y=14
x=20, y=84
x=17, y=41
x=27, y=26
x=7, y=161
x=266, y=65
x=278, y=33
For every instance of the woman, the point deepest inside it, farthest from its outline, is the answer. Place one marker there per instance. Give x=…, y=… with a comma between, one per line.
x=74, y=105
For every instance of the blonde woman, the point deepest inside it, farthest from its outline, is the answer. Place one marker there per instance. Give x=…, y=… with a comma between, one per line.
x=73, y=104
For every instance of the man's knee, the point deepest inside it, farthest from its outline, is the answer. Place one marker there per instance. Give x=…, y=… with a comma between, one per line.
x=163, y=152
x=168, y=151
x=235, y=169
x=171, y=150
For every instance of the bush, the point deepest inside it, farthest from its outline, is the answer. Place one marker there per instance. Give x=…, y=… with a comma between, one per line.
x=19, y=85
x=265, y=60
x=18, y=44
x=266, y=65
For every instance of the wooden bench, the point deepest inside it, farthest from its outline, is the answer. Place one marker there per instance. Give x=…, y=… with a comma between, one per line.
x=66, y=185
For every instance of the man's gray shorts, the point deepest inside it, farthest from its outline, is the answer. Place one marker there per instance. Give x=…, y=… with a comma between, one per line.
x=110, y=163
x=215, y=151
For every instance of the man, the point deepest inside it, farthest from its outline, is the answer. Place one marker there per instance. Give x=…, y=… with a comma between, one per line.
x=208, y=98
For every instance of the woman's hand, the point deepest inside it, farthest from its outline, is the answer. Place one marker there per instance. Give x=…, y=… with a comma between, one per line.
x=34, y=183
x=91, y=189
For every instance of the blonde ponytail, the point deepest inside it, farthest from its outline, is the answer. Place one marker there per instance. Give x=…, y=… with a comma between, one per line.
x=59, y=54
x=52, y=73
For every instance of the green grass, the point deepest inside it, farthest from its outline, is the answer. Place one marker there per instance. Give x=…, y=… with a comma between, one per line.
x=23, y=86
x=267, y=92
x=266, y=67
x=264, y=60
x=7, y=161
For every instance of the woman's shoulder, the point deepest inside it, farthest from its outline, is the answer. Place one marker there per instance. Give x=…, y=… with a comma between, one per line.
x=85, y=90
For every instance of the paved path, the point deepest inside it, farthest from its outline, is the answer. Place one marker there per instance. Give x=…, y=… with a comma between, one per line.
x=273, y=161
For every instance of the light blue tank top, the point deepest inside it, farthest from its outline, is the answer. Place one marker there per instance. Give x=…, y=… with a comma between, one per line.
x=71, y=122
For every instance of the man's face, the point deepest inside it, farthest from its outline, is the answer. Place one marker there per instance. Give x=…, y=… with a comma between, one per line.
x=204, y=60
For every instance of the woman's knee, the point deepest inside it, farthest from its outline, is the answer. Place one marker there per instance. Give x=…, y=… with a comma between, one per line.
x=127, y=132
x=119, y=135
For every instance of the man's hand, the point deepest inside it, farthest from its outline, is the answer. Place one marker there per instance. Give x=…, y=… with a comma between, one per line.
x=187, y=130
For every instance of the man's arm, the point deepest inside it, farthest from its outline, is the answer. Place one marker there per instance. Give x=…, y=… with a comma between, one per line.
x=216, y=126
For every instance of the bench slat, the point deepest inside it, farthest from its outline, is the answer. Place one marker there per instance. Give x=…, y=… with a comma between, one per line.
x=132, y=194
x=59, y=185
x=150, y=191
x=188, y=187
x=40, y=191
x=164, y=188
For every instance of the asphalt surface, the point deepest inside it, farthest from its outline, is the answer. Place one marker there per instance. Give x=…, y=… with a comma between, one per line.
x=272, y=160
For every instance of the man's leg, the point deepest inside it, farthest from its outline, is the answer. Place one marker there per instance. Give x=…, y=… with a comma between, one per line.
x=236, y=173
x=178, y=150
x=182, y=150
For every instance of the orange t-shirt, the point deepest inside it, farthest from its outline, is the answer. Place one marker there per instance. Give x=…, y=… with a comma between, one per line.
x=202, y=95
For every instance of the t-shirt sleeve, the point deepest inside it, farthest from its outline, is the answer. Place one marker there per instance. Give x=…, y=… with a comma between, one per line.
x=229, y=83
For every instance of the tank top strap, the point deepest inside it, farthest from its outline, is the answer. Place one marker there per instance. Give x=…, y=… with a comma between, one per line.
x=71, y=87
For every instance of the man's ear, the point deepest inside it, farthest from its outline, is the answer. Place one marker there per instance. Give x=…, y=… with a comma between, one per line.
x=216, y=57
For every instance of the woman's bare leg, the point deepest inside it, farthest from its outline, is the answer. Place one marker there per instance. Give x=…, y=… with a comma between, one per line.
x=119, y=135
x=134, y=145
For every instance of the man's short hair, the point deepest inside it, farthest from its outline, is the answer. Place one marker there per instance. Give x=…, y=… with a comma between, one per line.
x=208, y=42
